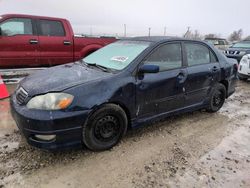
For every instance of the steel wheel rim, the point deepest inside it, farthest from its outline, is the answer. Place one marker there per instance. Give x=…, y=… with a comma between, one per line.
x=218, y=99
x=107, y=129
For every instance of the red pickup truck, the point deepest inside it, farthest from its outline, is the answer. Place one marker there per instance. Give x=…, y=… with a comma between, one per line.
x=29, y=41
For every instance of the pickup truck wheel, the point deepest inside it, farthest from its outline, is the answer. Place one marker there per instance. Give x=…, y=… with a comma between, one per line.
x=217, y=98
x=105, y=127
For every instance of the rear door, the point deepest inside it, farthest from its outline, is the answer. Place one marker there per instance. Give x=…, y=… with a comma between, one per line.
x=56, y=44
x=18, y=43
x=162, y=92
x=203, y=72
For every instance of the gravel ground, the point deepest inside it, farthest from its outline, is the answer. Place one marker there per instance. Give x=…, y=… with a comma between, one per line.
x=197, y=149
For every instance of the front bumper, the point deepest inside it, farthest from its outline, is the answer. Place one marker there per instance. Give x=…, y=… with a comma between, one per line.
x=244, y=69
x=244, y=75
x=66, y=126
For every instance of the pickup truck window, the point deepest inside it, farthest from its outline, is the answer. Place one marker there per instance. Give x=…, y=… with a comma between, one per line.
x=222, y=42
x=167, y=57
x=51, y=28
x=198, y=54
x=117, y=55
x=16, y=26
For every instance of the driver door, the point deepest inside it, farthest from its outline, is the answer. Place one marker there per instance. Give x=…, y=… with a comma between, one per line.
x=162, y=92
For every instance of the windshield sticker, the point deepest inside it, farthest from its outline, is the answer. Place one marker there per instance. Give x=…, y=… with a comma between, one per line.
x=119, y=58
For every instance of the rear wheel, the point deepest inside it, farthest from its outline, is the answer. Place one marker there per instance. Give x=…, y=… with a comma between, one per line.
x=242, y=78
x=217, y=98
x=105, y=127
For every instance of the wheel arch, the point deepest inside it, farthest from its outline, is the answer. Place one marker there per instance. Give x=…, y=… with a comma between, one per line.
x=89, y=49
x=226, y=84
x=118, y=103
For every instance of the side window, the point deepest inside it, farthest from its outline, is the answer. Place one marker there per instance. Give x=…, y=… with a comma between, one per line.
x=198, y=54
x=51, y=28
x=213, y=58
x=16, y=26
x=221, y=42
x=168, y=56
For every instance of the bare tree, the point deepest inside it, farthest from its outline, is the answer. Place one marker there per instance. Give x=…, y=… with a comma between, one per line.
x=193, y=35
x=197, y=35
x=236, y=35
x=212, y=35
x=247, y=38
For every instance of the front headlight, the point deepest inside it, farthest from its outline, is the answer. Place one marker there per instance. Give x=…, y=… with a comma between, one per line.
x=242, y=53
x=51, y=101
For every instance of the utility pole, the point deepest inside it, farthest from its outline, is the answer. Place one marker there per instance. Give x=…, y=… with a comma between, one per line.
x=149, y=30
x=165, y=31
x=125, y=30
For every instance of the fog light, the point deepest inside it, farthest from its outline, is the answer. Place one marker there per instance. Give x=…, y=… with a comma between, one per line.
x=46, y=137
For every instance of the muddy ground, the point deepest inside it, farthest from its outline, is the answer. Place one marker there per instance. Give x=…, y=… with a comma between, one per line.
x=197, y=149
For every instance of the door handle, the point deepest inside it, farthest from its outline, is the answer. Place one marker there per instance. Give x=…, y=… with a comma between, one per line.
x=33, y=41
x=214, y=69
x=66, y=42
x=181, y=77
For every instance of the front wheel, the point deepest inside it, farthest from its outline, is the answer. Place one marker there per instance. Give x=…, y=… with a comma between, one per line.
x=105, y=127
x=217, y=98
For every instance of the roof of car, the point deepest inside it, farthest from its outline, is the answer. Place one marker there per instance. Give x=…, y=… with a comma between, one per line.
x=29, y=16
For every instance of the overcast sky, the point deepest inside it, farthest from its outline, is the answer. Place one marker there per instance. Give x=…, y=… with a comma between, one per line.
x=109, y=16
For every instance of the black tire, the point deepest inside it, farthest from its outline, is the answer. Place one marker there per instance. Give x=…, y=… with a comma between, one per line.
x=242, y=78
x=105, y=127
x=217, y=98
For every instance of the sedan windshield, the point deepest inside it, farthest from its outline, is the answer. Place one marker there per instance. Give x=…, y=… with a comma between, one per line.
x=117, y=55
x=242, y=45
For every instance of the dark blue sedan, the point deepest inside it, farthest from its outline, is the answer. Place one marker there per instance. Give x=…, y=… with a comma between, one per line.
x=94, y=101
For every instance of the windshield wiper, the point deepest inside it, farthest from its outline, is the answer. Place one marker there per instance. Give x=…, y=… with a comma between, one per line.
x=105, y=69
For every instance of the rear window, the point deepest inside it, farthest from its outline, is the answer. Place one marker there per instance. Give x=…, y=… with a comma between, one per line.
x=51, y=28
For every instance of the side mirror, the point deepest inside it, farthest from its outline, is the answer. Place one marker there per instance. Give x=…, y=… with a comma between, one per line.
x=149, y=69
x=0, y=31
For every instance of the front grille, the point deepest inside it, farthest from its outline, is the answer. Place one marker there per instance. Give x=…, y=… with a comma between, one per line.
x=21, y=96
x=232, y=52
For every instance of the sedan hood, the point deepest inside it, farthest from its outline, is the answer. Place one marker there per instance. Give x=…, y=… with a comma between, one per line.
x=60, y=78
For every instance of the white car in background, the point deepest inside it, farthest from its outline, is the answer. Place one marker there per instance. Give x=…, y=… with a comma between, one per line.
x=244, y=68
